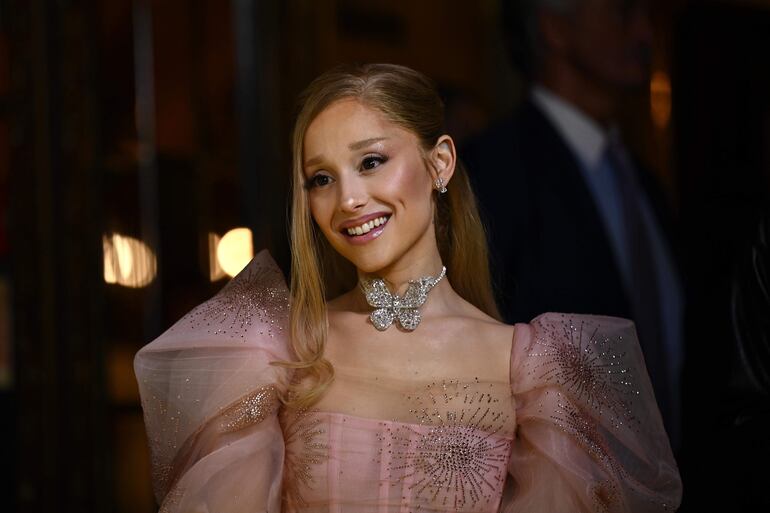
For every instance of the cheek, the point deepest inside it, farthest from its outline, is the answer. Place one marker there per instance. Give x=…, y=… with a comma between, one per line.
x=411, y=185
x=320, y=209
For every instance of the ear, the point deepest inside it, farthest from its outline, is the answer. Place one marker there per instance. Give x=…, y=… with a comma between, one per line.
x=443, y=159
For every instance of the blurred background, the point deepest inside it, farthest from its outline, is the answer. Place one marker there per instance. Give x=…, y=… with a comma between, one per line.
x=144, y=156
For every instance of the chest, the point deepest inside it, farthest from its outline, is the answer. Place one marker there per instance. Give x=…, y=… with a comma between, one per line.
x=437, y=446
x=431, y=353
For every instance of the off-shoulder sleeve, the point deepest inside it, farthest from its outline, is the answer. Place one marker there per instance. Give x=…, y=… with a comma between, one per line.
x=589, y=433
x=210, y=397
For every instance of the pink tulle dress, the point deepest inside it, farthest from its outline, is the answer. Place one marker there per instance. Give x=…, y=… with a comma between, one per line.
x=575, y=429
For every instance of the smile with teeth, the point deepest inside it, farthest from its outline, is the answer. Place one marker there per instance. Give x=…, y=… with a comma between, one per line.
x=368, y=226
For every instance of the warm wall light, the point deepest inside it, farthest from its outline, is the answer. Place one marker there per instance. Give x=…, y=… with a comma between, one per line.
x=660, y=99
x=215, y=270
x=235, y=250
x=128, y=261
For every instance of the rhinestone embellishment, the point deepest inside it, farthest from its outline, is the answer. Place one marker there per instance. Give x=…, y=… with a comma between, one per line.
x=404, y=309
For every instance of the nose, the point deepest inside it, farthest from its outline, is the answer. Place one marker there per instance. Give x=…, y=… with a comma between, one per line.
x=352, y=194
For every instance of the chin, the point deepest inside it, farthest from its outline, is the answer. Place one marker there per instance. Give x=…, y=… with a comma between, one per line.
x=372, y=259
x=368, y=263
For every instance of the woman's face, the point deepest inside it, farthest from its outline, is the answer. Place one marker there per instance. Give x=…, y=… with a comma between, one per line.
x=369, y=188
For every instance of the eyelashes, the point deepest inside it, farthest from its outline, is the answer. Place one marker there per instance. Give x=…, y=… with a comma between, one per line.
x=368, y=163
x=318, y=180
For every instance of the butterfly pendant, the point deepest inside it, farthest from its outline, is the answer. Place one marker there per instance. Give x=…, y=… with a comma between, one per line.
x=392, y=307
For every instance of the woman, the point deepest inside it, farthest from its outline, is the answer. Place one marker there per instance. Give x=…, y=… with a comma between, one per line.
x=404, y=392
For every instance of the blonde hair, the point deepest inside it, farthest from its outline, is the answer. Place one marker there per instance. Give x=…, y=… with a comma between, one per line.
x=408, y=99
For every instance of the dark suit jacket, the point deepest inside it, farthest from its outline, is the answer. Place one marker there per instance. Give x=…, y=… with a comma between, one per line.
x=549, y=248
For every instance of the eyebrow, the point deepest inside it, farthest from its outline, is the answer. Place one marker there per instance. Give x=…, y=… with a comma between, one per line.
x=366, y=142
x=355, y=146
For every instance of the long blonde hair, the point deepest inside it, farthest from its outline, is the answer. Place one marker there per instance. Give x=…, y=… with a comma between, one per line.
x=408, y=99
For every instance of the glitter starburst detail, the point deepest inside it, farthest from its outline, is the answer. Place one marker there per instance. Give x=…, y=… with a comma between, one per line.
x=303, y=433
x=257, y=295
x=584, y=428
x=250, y=410
x=587, y=365
x=456, y=455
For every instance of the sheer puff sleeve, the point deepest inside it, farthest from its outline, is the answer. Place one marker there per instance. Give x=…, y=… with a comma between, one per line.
x=589, y=434
x=210, y=398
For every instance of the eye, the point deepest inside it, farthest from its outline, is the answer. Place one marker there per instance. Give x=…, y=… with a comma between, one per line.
x=371, y=161
x=319, y=180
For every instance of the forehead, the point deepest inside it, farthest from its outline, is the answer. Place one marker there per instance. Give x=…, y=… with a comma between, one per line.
x=346, y=121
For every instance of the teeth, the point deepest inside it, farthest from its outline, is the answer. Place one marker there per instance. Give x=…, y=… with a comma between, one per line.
x=367, y=227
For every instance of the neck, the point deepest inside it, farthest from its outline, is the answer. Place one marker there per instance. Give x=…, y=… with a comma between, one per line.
x=404, y=310
x=398, y=275
x=422, y=259
x=595, y=99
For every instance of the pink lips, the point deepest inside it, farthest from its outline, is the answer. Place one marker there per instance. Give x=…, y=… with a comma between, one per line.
x=371, y=234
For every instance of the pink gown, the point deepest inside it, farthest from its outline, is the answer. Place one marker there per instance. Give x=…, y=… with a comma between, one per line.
x=575, y=429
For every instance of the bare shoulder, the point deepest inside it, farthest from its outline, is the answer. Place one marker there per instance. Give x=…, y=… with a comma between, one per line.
x=476, y=342
x=485, y=327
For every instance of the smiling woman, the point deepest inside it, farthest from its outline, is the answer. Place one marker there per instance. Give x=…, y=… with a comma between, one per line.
x=403, y=391
x=386, y=176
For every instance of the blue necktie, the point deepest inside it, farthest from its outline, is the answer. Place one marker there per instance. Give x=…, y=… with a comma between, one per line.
x=643, y=290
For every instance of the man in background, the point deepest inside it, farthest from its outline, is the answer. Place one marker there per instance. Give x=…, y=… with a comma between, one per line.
x=574, y=224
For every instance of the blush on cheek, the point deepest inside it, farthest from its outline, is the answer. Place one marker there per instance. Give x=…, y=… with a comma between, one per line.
x=408, y=181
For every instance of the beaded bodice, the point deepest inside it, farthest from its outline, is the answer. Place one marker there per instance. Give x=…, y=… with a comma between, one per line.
x=448, y=452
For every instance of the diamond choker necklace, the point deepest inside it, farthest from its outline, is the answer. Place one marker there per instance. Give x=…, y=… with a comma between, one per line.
x=389, y=307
